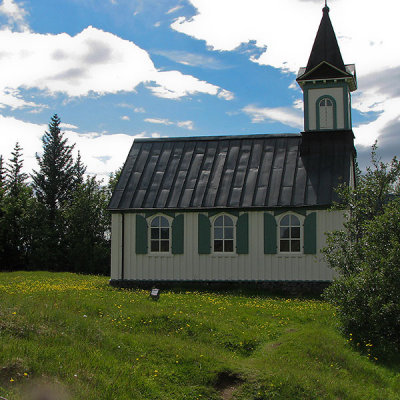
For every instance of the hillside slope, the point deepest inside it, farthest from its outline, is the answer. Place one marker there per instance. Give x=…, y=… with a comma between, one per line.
x=74, y=333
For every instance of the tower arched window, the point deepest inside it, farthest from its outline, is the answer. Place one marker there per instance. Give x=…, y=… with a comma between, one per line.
x=290, y=234
x=160, y=234
x=223, y=230
x=326, y=110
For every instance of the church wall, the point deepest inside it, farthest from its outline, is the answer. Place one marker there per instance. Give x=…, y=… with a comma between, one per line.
x=192, y=266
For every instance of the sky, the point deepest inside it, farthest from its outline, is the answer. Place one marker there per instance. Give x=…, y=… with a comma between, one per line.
x=115, y=70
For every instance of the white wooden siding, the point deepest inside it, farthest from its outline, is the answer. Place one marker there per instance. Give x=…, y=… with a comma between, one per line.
x=314, y=94
x=191, y=266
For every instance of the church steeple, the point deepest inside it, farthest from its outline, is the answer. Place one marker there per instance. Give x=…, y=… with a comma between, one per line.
x=325, y=46
x=327, y=82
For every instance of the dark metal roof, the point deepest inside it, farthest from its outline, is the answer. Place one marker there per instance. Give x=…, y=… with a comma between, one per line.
x=325, y=46
x=255, y=171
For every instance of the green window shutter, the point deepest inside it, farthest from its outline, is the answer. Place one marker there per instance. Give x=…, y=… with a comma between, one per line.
x=270, y=246
x=242, y=234
x=204, y=234
x=141, y=235
x=310, y=234
x=177, y=234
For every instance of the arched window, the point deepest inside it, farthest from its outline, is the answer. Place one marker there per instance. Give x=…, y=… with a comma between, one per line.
x=223, y=234
x=326, y=109
x=160, y=233
x=289, y=234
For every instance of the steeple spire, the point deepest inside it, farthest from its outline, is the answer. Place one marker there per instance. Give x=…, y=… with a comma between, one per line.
x=327, y=83
x=325, y=46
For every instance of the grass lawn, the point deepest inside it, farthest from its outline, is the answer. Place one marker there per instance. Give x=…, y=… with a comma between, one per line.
x=76, y=333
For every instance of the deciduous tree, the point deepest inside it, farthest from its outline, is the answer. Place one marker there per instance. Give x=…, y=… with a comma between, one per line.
x=366, y=255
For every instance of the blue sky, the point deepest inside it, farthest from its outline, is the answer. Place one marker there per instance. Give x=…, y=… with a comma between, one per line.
x=118, y=69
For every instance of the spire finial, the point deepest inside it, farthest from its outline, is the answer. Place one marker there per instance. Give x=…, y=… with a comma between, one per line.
x=326, y=8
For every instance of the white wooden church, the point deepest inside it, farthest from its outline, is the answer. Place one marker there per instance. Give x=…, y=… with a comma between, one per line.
x=250, y=208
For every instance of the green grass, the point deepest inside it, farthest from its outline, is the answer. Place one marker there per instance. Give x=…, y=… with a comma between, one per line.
x=96, y=342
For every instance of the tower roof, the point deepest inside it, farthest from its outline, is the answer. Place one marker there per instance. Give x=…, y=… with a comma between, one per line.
x=325, y=46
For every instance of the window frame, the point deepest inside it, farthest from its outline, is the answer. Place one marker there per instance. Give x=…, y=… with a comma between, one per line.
x=149, y=239
x=317, y=110
x=301, y=219
x=224, y=253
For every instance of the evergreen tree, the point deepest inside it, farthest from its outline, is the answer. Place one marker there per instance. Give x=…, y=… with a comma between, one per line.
x=54, y=185
x=15, y=178
x=55, y=181
x=88, y=228
x=2, y=172
x=2, y=227
x=16, y=208
x=2, y=180
x=113, y=180
x=80, y=169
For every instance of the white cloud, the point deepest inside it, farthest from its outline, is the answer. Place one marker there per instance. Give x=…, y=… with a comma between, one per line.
x=173, y=9
x=91, y=62
x=298, y=104
x=64, y=125
x=155, y=135
x=192, y=59
x=284, y=115
x=14, y=13
x=186, y=124
x=164, y=121
x=270, y=27
x=27, y=134
x=13, y=99
x=132, y=107
x=226, y=94
x=174, y=85
x=90, y=145
x=125, y=118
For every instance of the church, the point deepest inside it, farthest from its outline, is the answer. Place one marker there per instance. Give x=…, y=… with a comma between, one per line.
x=248, y=208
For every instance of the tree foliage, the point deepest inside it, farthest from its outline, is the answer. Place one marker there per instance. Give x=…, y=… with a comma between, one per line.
x=88, y=228
x=15, y=216
x=366, y=254
x=55, y=181
x=59, y=220
x=54, y=184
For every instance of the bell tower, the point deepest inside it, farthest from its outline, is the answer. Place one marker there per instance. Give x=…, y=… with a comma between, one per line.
x=327, y=83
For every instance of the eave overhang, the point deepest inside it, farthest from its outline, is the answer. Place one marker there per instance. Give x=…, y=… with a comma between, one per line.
x=348, y=77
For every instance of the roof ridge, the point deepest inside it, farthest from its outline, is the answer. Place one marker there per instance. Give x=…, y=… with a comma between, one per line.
x=219, y=137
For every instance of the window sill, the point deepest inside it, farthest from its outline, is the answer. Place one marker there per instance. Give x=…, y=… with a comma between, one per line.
x=224, y=255
x=160, y=255
x=290, y=254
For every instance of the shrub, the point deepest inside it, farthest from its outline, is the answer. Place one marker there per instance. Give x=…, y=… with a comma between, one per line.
x=367, y=256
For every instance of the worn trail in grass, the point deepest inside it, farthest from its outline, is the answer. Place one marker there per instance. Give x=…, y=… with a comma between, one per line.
x=96, y=342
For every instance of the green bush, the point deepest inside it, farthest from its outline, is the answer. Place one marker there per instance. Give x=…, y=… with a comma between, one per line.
x=367, y=256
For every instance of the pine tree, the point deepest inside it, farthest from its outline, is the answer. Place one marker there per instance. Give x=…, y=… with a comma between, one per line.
x=88, y=228
x=2, y=179
x=54, y=185
x=55, y=181
x=80, y=169
x=16, y=211
x=14, y=177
